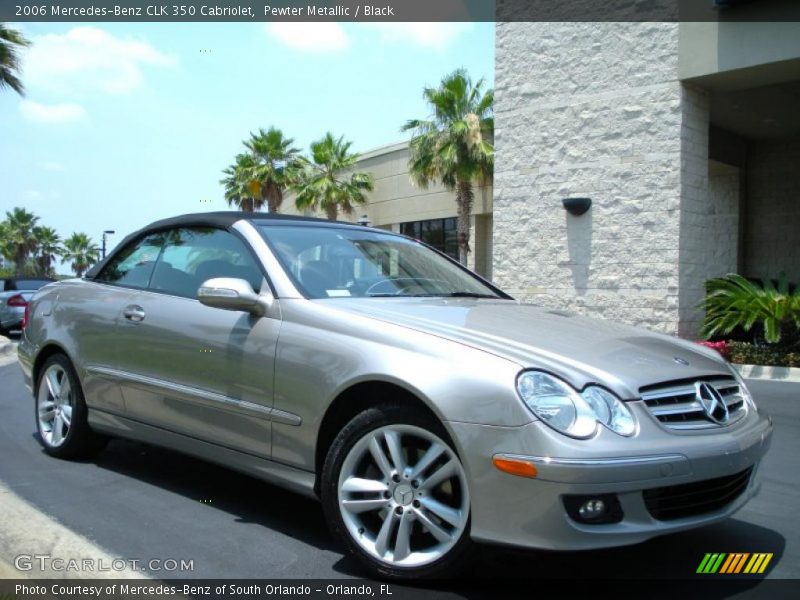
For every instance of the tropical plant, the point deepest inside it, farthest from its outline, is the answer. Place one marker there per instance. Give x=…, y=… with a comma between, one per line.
x=80, y=252
x=241, y=189
x=11, y=41
x=18, y=241
x=734, y=302
x=454, y=146
x=277, y=165
x=328, y=182
x=48, y=247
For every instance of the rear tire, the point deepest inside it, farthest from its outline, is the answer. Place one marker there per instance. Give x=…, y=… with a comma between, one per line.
x=395, y=493
x=61, y=413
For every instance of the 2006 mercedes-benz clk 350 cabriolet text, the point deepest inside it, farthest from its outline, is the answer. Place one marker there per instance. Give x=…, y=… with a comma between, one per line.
x=423, y=406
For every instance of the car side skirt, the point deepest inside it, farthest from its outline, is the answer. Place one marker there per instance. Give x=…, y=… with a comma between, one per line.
x=296, y=480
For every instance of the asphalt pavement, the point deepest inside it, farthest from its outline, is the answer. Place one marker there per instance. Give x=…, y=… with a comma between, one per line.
x=141, y=502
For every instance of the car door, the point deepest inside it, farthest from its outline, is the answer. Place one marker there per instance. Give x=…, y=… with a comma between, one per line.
x=192, y=369
x=93, y=313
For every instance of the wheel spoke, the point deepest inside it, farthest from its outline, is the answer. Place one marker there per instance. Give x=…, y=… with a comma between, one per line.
x=46, y=410
x=65, y=390
x=382, y=541
x=57, y=434
x=443, y=473
x=360, y=506
x=45, y=416
x=52, y=383
x=66, y=414
x=435, y=530
x=434, y=452
x=380, y=457
x=442, y=511
x=359, y=484
x=395, y=450
x=402, y=546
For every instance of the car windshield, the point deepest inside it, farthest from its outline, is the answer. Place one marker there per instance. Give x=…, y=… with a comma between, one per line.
x=330, y=262
x=29, y=284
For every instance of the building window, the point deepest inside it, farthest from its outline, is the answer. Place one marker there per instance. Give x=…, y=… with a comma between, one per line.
x=439, y=233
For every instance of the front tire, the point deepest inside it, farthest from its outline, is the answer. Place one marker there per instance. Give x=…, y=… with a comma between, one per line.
x=395, y=492
x=61, y=414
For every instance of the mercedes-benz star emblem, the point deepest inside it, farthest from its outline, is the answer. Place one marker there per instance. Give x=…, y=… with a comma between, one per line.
x=712, y=402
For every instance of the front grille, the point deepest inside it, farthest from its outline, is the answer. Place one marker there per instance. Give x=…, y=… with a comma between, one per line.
x=691, y=499
x=677, y=406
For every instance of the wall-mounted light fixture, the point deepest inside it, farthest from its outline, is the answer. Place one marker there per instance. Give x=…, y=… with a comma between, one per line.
x=577, y=206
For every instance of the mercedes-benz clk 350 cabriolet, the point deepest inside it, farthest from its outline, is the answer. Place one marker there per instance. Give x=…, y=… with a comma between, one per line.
x=423, y=406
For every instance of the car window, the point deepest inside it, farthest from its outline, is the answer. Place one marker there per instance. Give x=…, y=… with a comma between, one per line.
x=194, y=255
x=327, y=262
x=133, y=265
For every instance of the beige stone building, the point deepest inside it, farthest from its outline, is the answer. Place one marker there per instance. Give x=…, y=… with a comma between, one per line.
x=686, y=136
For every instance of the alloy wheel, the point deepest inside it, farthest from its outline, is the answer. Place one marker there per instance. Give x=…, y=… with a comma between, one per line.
x=403, y=495
x=55, y=406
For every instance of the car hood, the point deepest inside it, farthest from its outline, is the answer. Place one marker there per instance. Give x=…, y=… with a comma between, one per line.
x=580, y=349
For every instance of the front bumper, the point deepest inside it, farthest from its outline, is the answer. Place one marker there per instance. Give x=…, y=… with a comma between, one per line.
x=508, y=509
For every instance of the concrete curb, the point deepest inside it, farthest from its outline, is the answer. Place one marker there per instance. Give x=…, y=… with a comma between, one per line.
x=8, y=352
x=765, y=373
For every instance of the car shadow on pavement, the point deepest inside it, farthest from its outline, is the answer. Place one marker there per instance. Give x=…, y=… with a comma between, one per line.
x=671, y=560
x=248, y=499
x=662, y=567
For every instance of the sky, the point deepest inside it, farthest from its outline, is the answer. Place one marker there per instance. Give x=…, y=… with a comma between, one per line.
x=127, y=123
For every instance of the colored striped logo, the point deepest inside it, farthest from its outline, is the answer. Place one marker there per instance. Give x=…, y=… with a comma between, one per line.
x=735, y=562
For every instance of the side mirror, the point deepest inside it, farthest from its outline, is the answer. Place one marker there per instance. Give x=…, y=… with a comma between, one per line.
x=230, y=293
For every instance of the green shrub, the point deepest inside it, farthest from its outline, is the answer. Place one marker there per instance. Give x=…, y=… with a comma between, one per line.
x=753, y=354
x=733, y=302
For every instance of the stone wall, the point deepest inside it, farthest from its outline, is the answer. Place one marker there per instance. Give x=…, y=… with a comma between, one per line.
x=593, y=109
x=772, y=234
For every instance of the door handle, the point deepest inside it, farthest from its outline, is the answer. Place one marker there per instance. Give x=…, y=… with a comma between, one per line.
x=133, y=313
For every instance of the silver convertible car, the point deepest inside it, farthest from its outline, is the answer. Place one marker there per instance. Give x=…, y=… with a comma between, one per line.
x=424, y=407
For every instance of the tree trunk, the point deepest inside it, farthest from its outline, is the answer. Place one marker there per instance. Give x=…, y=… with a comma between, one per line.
x=464, y=199
x=273, y=195
x=332, y=212
x=20, y=259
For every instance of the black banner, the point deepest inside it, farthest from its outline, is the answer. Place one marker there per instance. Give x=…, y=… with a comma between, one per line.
x=362, y=589
x=398, y=10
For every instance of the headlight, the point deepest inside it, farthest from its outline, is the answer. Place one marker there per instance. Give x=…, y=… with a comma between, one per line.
x=557, y=404
x=610, y=411
x=743, y=391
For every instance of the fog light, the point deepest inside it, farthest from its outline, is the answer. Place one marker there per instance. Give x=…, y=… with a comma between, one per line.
x=592, y=509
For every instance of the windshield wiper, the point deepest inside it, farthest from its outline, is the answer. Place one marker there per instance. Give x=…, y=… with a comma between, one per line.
x=468, y=295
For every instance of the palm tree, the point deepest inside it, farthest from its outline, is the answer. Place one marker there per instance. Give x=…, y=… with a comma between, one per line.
x=455, y=145
x=277, y=164
x=327, y=182
x=11, y=41
x=241, y=189
x=48, y=246
x=18, y=238
x=81, y=252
